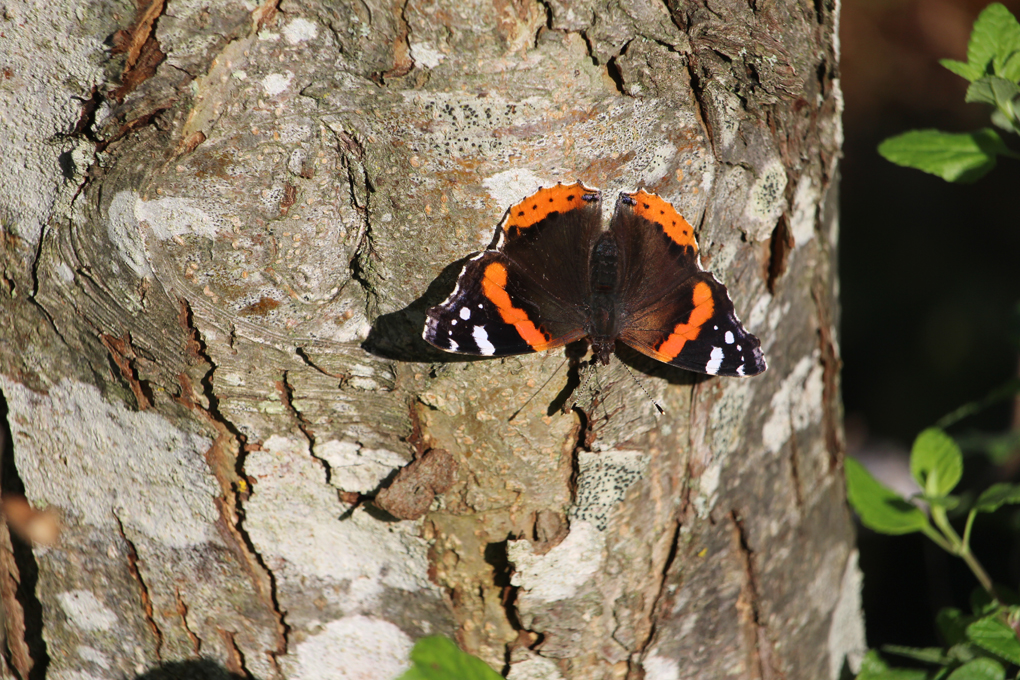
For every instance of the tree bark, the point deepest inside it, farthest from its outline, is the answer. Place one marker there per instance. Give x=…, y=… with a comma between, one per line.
x=222, y=225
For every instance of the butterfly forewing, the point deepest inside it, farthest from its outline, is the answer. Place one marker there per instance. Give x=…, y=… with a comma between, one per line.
x=525, y=294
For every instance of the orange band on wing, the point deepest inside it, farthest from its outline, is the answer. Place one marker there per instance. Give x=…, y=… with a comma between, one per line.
x=494, y=288
x=704, y=307
x=535, y=208
x=655, y=209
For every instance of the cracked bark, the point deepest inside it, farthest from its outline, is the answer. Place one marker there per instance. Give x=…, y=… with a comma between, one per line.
x=210, y=352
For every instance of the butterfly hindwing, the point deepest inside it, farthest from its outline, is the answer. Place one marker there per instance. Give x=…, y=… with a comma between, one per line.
x=698, y=332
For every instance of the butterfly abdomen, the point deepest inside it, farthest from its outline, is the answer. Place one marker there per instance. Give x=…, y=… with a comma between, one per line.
x=604, y=284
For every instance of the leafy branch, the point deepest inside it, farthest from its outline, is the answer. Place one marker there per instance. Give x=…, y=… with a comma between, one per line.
x=981, y=645
x=993, y=71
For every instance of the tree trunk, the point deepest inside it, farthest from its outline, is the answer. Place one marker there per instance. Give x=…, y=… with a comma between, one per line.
x=219, y=239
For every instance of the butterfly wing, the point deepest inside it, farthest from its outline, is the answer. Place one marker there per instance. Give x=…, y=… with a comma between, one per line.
x=526, y=292
x=674, y=311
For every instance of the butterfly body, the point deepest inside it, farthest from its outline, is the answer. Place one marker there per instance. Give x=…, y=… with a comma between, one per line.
x=552, y=275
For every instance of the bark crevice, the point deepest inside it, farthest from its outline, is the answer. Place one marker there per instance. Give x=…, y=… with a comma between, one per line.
x=182, y=611
x=143, y=591
x=657, y=604
x=760, y=650
x=226, y=460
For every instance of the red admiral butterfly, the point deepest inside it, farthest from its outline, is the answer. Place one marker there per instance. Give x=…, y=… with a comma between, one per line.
x=552, y=276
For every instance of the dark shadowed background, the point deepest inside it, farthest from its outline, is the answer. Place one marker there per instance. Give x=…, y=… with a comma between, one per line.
x=930, y=292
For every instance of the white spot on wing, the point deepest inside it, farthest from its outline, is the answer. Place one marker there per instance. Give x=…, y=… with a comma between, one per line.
x=453, y=345
x=729, y=337
x=714, y=361
x=465, y=313
x=740, y=369
x=482, y=340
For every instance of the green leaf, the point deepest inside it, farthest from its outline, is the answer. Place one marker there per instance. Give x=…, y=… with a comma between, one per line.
x=992, y=90
x=994, y=636
x=439, y=658
x=979, y=669
x=961, y=69
x=955, y=157
x=873, y=663
x=964, y=652
x=952, y=625
x=996, y=91
x=1000, y=121
x=994, y=39
x=1011, y=69
x=997, y=495
x=879, y=507
x=936, y=462
x=926, y=654
x=874, y=668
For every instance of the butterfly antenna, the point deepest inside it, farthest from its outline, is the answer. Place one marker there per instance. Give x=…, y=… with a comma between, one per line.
x=525, y=405
x=661, y=410
x=601, y=398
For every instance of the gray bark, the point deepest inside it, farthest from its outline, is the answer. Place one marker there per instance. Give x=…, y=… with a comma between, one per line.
x=219, y=239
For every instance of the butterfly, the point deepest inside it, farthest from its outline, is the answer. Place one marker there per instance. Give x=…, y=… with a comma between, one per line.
x=552, y=276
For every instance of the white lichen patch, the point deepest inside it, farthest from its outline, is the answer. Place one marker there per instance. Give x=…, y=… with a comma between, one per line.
x=277, y=83
x=708, y=485
x=169, y=217
x=846, y=631
x=354, y=468
x=766, y=201
x=300, y=30
x=510, y=186
x=122, y=229
x=93, y=655
x=80, y=675
x=777, y=314
x=64, y=272
x=560, y=572
x=426, y=55
x=534, y=667
x=351, y=648
x=43, y=87
x=602, y=482
x=71, y=442
x=728, y=415
x=85, y=611
x=651, y=165
x=293, y=518
x=759, y=312
x=728, y=109
x=660, y=668
x=796, y=404
x=805, y=210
